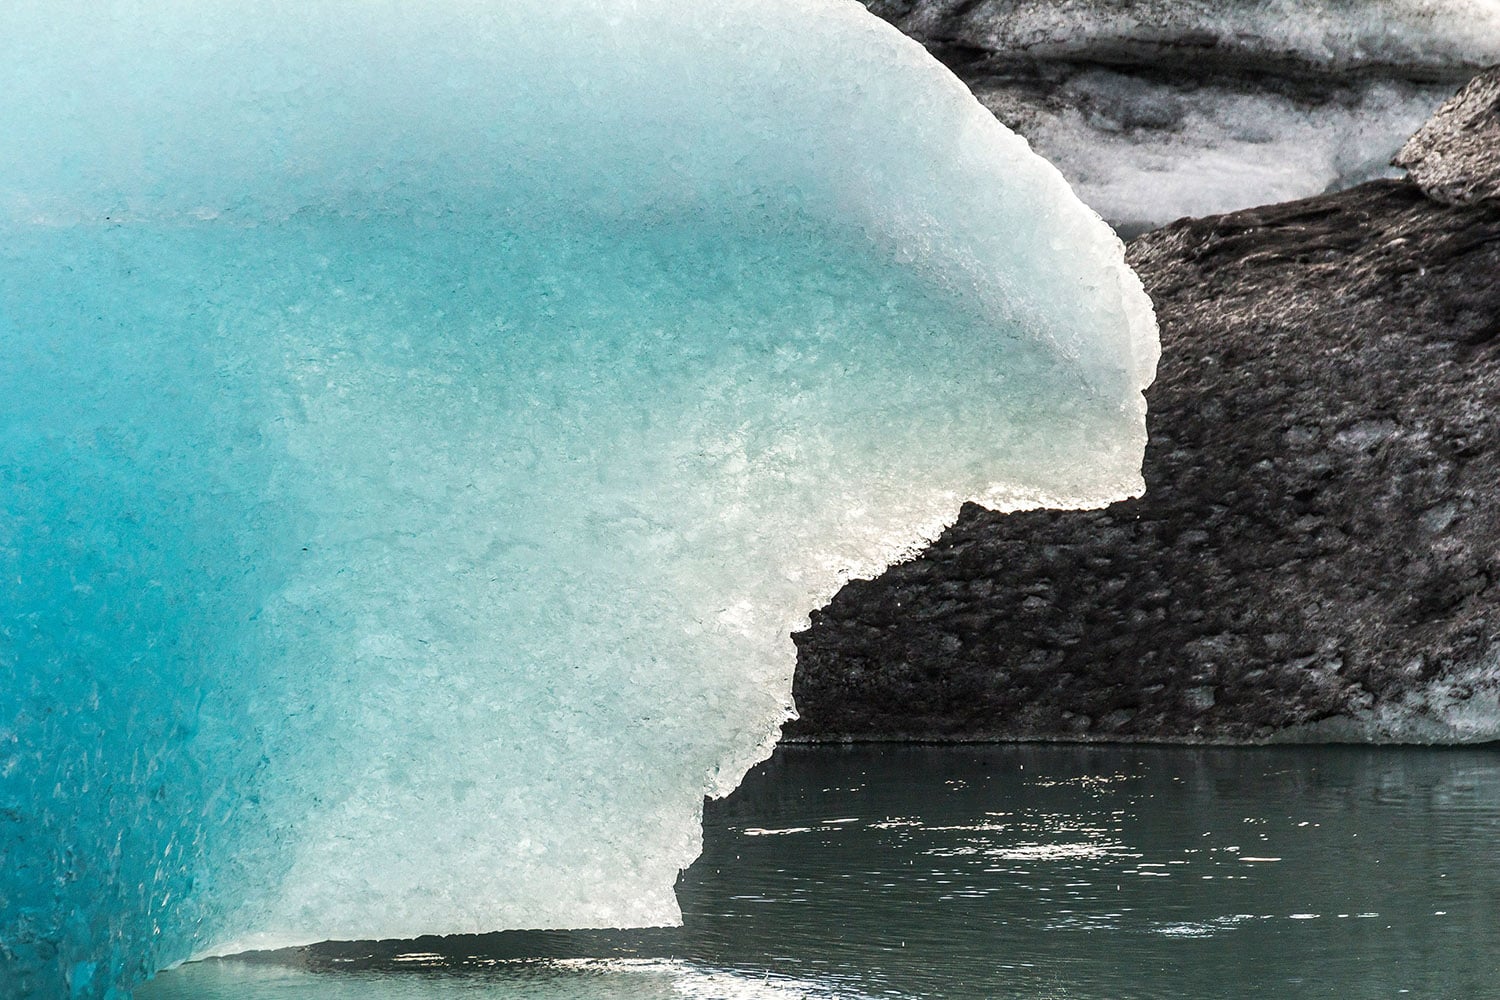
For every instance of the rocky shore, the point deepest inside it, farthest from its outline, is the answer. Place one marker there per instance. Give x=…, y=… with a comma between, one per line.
x=1318, y=552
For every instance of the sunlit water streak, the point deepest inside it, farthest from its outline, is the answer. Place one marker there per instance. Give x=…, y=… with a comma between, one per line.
x=1016, y=871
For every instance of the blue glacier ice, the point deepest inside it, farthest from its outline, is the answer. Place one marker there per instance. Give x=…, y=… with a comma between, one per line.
x=421, y=426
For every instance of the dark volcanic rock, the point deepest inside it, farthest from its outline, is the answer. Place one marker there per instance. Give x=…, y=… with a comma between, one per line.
x=1455, y=158
x=1320, y=539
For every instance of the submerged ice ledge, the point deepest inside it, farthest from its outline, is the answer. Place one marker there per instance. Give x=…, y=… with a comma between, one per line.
x=423, y=431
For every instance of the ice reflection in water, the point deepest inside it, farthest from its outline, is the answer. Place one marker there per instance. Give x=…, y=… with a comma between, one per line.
x=1018, y=871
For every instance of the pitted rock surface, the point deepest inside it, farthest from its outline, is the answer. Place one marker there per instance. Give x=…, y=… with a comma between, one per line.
x=1455, y=157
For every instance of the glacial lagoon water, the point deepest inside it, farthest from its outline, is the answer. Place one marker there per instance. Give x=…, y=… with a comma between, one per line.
x=1026, y=871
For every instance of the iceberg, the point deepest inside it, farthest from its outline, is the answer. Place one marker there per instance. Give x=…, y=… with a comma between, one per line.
x=421, y=427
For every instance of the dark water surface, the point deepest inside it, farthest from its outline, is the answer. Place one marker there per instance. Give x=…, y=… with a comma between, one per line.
x=1017, y=871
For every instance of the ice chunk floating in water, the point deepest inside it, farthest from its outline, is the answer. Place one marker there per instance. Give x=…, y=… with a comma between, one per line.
x=422, y=426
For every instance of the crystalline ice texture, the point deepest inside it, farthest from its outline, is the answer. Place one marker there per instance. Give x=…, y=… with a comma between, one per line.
x=421, y=426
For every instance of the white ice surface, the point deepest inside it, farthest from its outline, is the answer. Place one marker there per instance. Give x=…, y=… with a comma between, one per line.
x=1143, y=153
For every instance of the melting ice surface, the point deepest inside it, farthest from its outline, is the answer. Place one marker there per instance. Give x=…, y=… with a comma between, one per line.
x=422, y=429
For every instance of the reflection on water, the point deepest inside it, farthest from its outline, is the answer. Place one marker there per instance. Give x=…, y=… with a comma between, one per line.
x=1016, y=871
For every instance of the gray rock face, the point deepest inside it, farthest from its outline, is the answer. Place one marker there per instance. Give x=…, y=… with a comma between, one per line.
x=1318, y=552
x=1455, y=158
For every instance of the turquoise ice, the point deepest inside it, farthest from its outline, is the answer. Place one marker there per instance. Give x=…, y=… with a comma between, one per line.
x=422, y=425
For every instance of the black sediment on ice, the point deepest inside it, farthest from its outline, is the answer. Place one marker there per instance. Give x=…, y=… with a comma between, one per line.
x=1318, y=551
